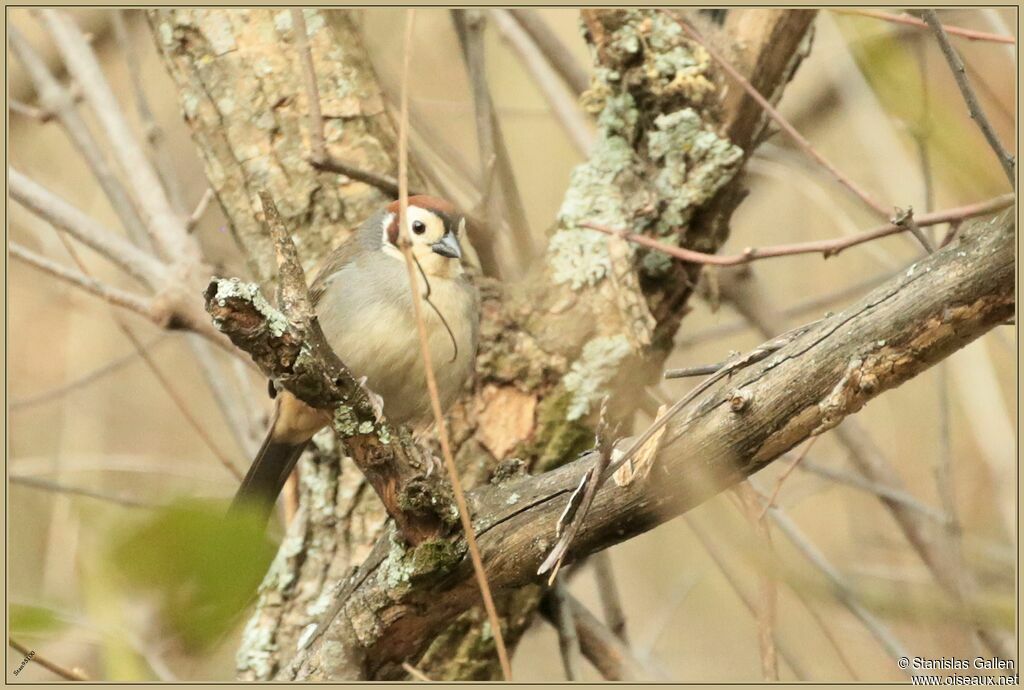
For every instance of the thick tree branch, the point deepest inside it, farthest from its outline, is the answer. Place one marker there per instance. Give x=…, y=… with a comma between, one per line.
x=936, y=307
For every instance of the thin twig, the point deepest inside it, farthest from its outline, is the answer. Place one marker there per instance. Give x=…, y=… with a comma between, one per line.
x=415, y=672
x=493, y=152
x=801, y=308
x=152, y=131
x=881, y=490
x=613, y=659
x=557, y=55
x=435, y=400
x=58, y=488
x=176, y=398
x=85, y=379
x=562, y=102
x=977, y=114
x=728, y=368
x=844, y=592
x=319, y=157
x=782, y=122
x=785, y=474
x=200, y=210
x=65, y=673
x=53, y=209
x=58, y=101
x=767, y=611
x=826, y=248
x=608, y=593
x=316, y=120
x=908, y=20
x=26, y=110
x=711, y=547
x=568, y=642
x=165, y=227
x=384, y=183
x=112, y=295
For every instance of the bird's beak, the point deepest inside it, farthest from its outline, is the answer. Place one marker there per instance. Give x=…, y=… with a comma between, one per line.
x=447, y=246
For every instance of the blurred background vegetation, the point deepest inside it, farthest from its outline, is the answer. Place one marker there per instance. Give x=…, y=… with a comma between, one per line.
x=90, y=582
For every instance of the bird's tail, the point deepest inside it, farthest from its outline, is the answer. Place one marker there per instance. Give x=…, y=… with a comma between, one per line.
x=266, y=477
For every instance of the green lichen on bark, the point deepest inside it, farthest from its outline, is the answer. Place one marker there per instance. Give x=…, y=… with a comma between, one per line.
x=588, y=378
x=557, y=439
x=426, y=562
x=657, y=157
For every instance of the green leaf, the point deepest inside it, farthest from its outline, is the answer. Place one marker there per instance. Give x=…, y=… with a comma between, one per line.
x=203, y=567
x=34, y=620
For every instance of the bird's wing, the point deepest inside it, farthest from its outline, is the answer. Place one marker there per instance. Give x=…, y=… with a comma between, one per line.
x=334, y=262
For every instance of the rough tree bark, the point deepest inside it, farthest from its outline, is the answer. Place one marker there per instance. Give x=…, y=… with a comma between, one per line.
x=594, y=314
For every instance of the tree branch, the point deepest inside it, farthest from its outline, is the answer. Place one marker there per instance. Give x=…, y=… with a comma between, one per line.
x=112, y=295
x=977, y=114
x=936, y=307
x=827, y=248
x=142, y=266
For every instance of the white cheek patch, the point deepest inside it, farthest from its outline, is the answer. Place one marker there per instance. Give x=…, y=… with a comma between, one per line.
x=462, y=227
x=385, y=243
x=388, y=219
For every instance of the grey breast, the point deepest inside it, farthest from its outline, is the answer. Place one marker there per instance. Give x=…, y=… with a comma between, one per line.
x=367, y=316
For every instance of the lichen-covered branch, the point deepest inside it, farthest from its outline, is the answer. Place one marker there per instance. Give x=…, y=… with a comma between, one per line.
x=291, y=349
x=937, y=306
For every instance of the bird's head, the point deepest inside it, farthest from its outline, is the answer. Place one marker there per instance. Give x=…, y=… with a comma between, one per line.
x=434, y=229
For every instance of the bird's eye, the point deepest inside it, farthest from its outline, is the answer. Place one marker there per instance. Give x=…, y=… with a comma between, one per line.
x=418, y=227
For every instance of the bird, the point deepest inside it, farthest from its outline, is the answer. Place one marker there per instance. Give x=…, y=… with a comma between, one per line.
x=363, y=301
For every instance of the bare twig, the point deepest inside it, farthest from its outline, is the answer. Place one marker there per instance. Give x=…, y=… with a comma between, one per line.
x=557, y=55
x=415, y=672
x=165, y=227
x=785, y=474
x=801, y=308
x=579, y=503
x=42, y=202
x=51, y=666
x=568, y=642
x=26, y=110
x=613, y=659
x=842, y=589
x=788, y=653
x=977, y=114
x=200, y=210
x=319, y=156
x=608, y=593
x=908, y=20
x=112, y=295
x=58, y=101
x=428, y=366
x=825, y=247
x=494, y=155
x=880, y=490
x=176, y=398
x=85, y=379
x=386, y=184
x=562, y=102
x=58, y=488
x=151, y=129
x=782, y=122
x=767, y=611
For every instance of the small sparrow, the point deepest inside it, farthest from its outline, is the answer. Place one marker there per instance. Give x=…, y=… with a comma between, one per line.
x=364, y=304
